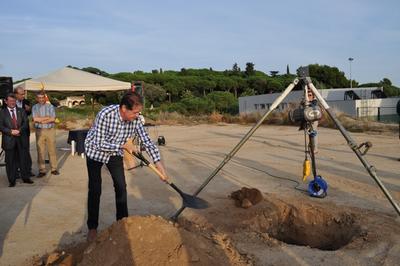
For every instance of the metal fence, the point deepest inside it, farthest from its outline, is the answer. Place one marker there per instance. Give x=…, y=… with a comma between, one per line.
x=381, y=114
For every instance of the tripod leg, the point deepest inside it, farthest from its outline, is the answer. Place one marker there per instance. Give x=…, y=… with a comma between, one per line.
x=241, y=142
x=353, y=145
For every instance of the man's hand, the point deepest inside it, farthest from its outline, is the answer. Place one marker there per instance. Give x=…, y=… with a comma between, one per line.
x=160, y=168
x=15, y=132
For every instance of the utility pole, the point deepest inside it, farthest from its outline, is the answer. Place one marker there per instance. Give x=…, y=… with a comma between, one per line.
x=351, y=83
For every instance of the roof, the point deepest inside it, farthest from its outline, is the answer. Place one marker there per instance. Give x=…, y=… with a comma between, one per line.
x=70, y=79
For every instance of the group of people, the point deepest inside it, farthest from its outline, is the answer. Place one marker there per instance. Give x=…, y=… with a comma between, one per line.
x=104, y=145
x=15, y=130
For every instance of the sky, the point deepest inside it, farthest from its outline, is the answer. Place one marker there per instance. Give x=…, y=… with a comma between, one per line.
x=40, y=36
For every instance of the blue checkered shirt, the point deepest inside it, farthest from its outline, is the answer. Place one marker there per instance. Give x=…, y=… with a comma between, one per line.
x=109, y=133
x=40, y=110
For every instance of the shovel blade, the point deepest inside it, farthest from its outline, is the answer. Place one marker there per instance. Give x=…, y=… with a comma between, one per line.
x=194, y=202
x=190, y=201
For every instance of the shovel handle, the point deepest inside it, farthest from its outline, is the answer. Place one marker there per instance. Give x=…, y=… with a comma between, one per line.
x=151, y=166
x=155, y=170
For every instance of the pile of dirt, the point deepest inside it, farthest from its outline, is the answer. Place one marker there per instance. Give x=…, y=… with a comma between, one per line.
x=246, y=197
x=276, y=230
x=150, y=240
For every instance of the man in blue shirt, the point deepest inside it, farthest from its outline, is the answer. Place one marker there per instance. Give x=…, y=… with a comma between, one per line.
x=104, y=144
x=44, y=116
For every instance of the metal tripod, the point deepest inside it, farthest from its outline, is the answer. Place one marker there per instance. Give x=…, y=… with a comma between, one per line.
x=304, y=77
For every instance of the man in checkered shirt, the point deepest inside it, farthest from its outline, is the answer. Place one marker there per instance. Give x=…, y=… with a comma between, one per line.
x=104, y=144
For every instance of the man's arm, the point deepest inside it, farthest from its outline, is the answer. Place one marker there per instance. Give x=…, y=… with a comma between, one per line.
x=51, y=118
x=151, y=149
x=3, y=128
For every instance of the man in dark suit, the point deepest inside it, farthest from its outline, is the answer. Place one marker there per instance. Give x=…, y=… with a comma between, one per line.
x=27, y=107
x=13, y=125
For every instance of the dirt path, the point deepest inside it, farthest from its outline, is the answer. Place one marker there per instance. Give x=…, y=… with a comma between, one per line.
x=51, y=214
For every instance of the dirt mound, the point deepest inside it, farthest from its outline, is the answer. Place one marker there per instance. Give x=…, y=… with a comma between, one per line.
x=151, y=240
x=276, y=231
x=246, y=197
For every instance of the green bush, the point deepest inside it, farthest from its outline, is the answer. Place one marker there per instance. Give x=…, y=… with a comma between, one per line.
x=225, y=102
x=197, y=105
x=174, y=107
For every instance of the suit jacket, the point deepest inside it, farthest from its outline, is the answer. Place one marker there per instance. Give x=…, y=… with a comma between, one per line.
x=26, y=102
x=9, y=141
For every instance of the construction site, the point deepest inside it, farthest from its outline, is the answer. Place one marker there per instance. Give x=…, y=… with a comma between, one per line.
x=45, y=224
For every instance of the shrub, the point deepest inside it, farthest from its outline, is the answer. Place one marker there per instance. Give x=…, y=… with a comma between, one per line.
x=225, y=102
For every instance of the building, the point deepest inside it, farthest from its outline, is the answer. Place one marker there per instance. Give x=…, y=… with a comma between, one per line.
x=71, y=101
x=356, y=102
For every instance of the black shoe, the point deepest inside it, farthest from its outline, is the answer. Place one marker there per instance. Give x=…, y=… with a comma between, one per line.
x=28, y=181
x=55, y=172
x=11, y=184
x=40, y=175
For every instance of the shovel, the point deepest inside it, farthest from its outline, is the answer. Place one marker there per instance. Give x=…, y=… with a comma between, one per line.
x=188, y=201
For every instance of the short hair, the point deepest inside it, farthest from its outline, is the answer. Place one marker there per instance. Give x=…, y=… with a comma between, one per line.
x=131, y=99
x=17, y=89
x=11, y=95
x=41, y=93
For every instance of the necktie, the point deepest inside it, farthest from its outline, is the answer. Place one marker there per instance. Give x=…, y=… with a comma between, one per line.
x=14, y=119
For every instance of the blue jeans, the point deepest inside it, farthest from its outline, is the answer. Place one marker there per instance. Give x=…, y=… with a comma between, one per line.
x=116, y=168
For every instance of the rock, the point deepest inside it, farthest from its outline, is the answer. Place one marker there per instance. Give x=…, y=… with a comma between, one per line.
x=52, y=258
x=67, y=261
x=246, y=203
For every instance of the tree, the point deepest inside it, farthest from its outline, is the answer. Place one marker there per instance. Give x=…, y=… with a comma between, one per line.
x=154, y=94
x=249, y=69
x=96, y=71
x=386, y=82
x=274, y=73
x=259, y=84
x=330, y=76
x=248, y=92
x=225, y=102
x=175, y=87
x=235, y=69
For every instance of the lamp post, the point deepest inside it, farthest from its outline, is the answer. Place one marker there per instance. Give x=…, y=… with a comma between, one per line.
x=351, y=83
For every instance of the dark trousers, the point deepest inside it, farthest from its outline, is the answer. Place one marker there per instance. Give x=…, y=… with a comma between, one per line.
x=16, y=158
x=116, y=168
x=28, y=159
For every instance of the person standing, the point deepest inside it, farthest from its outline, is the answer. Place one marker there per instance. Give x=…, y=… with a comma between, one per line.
x=104, y=144
x=26, y=106
x=13, y=125
x=314, y=125
x=44, y=116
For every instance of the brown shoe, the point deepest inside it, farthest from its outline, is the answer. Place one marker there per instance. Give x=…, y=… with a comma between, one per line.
x=92, y=235
x=40, y=175
x=55, y=172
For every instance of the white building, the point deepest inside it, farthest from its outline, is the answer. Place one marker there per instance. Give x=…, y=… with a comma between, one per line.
x=356, y=102
x=71, y=101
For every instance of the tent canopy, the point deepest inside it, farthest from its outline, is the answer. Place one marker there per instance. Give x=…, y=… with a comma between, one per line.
x=69, y=80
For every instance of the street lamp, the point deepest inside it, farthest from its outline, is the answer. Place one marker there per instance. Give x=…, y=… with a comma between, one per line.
x=351, y=83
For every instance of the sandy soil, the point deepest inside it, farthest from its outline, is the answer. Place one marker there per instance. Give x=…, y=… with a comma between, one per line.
x=353, y=225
